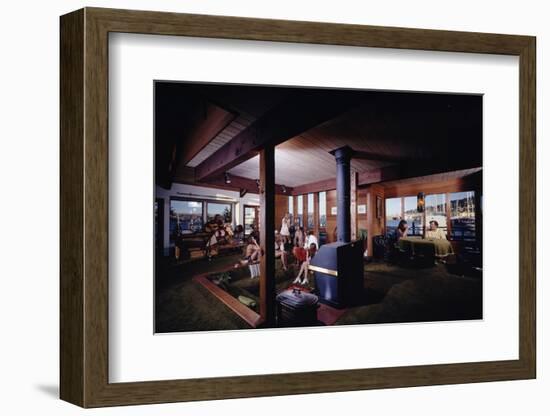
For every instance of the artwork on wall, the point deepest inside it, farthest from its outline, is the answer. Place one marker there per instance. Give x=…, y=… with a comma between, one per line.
x=378, y=207
x=191, y=236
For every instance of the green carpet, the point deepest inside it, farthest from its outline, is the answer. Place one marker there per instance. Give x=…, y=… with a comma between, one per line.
x=392, y=294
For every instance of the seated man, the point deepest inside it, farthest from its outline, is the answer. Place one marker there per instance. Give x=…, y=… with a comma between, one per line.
x=435, y=233
x=311, y=239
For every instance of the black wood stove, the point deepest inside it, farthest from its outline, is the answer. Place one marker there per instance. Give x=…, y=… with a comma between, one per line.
x=338, y=266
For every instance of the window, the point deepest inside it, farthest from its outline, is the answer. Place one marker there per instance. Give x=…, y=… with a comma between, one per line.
x=215, y=208
x=250, y=218
x=300, y=213
x=414, y=219
x=393, y=215
x=310, y=211
x=185, y=217
x=463, y=217
x=322, y=209
x=435, y=210
x=291, y=208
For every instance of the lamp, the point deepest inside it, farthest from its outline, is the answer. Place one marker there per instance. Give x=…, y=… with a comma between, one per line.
x=227, y=178
x=420, y=202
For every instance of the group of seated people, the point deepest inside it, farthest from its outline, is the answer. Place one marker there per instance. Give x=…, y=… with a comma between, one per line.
x=289, y=239
x=433, y=232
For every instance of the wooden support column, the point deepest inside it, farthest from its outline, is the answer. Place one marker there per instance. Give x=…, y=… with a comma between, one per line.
x=267, y=236
x=353, y=204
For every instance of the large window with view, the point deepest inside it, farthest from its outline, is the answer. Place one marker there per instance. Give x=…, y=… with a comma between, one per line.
x=393, y=215
x=224, y=210
x=436, y=210
x=415, y=219
x=300, y=208
x=310, y=211
x=322, y=209
x=185, y=217
x=291, y=208
x=463, y=216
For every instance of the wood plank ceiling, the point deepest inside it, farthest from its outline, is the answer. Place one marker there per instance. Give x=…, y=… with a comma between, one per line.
x=432, y=129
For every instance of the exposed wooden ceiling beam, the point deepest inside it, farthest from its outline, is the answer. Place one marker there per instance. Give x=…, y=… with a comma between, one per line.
x=209, y=121
x=388, y=173
x=303, y=110
x=238, y=183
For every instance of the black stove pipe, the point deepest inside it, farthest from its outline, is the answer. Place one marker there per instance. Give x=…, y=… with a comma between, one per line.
x=343, y=193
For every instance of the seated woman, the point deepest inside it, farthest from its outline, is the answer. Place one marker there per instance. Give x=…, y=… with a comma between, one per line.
x=434, y=232
x=299, y=252
x=280, y=250
x=305, y=265
x=252, y=253
x=401, y=230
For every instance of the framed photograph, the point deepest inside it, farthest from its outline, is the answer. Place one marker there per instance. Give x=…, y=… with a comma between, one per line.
x=210, y=170
x=379, y=207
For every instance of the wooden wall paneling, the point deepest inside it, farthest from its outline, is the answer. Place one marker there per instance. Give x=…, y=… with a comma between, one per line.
x=331, y=219
x=375, y=225
x=353, y=204
x=362, y=223
x=454, y=185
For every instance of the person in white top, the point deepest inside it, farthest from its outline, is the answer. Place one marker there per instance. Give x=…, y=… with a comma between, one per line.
x=311, y=239
x=434, y=232
x=285, y=228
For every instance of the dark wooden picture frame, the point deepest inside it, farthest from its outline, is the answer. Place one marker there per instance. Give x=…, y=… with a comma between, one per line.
x=84, y=207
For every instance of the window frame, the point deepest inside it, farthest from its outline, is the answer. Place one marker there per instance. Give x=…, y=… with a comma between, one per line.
x=448, y=225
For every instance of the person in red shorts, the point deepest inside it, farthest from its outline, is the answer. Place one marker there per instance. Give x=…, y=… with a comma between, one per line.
x=304, y=267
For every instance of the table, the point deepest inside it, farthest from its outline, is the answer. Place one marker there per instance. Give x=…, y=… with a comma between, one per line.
x=427, y=247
